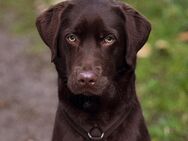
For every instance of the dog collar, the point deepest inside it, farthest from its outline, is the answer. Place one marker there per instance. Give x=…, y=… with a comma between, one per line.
x=96, y=133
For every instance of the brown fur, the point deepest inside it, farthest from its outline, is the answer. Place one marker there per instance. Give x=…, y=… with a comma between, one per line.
x=110, y=67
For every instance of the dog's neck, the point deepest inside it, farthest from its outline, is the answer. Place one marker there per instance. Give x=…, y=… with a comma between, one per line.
x=93, y=128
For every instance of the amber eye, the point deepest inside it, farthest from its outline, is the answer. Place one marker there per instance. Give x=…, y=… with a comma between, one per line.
x=72, y=37
x=108, y=40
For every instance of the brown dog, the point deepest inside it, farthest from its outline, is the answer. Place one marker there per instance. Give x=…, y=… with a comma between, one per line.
x=94, y=45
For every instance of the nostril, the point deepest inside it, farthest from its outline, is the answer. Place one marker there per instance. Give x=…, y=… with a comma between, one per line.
x=92, y=82
x=81, y=81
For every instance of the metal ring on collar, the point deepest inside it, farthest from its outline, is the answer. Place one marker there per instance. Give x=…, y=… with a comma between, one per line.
x=96, y=137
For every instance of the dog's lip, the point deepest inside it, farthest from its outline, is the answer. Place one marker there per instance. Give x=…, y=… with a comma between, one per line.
x=87, y=93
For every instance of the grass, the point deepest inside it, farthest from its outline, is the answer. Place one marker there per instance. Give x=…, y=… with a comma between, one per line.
x=162, y=78
x=162, y=87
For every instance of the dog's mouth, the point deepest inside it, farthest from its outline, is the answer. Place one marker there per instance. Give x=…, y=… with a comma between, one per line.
x=87, y=93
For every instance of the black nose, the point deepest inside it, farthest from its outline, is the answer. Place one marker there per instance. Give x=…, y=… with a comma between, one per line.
x=87, y=78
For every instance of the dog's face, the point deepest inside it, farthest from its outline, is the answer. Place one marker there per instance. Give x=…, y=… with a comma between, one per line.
x=95, y=40
x=93, y=43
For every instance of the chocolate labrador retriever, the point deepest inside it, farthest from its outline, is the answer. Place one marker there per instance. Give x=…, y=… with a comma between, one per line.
x=94, y=45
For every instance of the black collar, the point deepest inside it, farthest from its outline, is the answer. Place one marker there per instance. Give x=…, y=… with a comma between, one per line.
x=101, y=133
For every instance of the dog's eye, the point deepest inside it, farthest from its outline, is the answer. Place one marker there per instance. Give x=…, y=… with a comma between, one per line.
x=108, y=40
x=72, y=37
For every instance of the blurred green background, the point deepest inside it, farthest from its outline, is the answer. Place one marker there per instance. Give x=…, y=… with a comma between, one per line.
x=162, y=71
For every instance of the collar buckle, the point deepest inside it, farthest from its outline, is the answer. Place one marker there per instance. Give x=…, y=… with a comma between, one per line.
x=94, y=130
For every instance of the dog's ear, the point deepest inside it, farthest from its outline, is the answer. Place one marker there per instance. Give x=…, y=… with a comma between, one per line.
x=137, y=29
x=48, y=25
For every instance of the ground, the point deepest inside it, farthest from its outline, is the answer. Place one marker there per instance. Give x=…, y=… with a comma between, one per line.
x=28, y=91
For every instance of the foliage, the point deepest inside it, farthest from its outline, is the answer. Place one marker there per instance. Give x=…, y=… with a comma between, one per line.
x=162, y=78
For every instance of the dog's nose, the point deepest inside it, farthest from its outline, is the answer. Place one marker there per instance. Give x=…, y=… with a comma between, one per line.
x=87, y=78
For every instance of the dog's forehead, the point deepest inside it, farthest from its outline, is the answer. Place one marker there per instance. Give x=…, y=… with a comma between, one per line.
x=92, y=2
x=96, y=13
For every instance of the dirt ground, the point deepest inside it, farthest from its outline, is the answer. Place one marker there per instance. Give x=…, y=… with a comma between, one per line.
x=28, y=91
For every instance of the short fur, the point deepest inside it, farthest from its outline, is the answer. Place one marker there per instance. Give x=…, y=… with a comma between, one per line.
x=112, y=67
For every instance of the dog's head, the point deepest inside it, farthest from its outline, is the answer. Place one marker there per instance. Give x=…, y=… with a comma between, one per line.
x=93, y=41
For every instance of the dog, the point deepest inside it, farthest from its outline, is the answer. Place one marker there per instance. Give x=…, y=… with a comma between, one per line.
x=94, y=45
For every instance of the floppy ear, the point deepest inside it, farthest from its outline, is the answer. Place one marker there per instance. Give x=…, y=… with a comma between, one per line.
x=137, y=29
x=48, y=25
